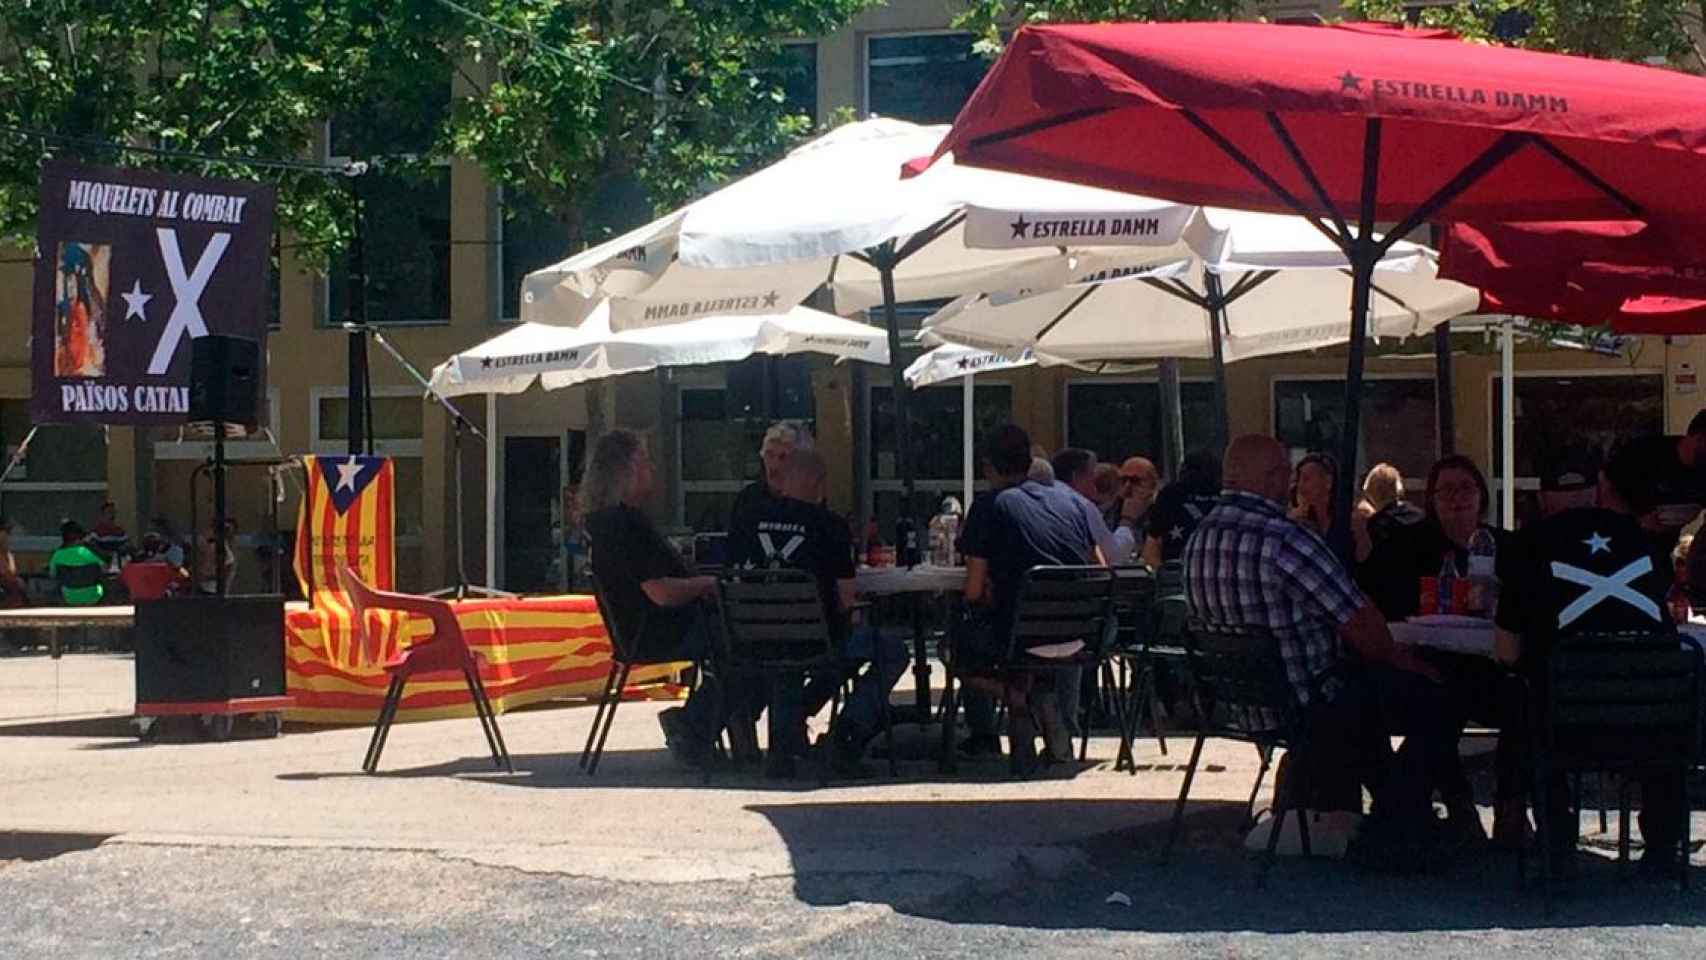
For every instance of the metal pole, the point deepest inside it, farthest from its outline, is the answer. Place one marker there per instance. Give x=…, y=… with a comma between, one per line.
x=357, y=415
x=968, y=424
x=897, y=380
x=219, y=507
x=492, y=491
x=1507, y=428
x=1445, y=404
x=1364, y=253
x=1217, y=337
x=1172, y=418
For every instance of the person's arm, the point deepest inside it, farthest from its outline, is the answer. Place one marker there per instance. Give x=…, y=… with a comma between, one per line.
x=1366, y=633
x=1152, y=552
x=677, y=591
x=977, y=580
x=846, y=592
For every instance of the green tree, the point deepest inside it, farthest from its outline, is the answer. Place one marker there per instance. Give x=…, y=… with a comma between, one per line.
x=1609, y=29
x=559, y=97
x=990, y=19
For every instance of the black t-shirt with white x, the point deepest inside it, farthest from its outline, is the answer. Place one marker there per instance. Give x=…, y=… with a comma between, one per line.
x=784, y=533
x=1587, y=569
x=1177, y=511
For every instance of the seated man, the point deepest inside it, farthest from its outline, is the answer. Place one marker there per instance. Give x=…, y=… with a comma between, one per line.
x=148, y=576
x=1180, y=506
x=796, y=531
x=1025, y=524
x=1545, y=598
x=77, y=568
x=648, y=589
x=1250, y=565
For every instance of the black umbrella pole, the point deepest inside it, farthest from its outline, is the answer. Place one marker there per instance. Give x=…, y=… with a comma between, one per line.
x=1217, y=338
x=902, y=428
x=1345, y=484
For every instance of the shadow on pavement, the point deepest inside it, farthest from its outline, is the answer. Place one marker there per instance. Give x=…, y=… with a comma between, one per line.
x=116, y=725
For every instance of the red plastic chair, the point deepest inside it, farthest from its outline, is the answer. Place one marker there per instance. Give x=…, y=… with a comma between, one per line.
x=444, y=652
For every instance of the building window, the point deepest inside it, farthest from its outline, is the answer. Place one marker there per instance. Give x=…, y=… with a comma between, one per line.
x=406, y=208
x=1399, y=420
x=532, y=238
x=936, y=418
x=397, y=420
x=63, y=476
x=720, y=429
x=797, y=76
x=1120, y=419
x=923, y=77
x=1556, y=411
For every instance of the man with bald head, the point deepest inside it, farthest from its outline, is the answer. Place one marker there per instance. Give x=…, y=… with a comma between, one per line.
x=1248, y=564
x=1139, y=482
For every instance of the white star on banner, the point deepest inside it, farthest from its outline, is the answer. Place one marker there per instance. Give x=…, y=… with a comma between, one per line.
x=348, y=471
x=135, y=300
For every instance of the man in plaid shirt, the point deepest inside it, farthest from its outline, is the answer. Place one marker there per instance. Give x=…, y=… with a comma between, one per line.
x=1249, y=565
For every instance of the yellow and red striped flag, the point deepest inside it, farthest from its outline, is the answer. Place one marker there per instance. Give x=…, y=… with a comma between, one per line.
x=347, y=519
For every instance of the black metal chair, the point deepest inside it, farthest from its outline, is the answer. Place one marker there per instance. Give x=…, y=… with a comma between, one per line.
x=1239, y=687
x=1623, y=703
x=775, y=623
x=1056, y=605
x=624, y=657
x=1128, y=668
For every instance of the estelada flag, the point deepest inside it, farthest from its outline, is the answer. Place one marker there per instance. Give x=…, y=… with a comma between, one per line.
x=346, y=520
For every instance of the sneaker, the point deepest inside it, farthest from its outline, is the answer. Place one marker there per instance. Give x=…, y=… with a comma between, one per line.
x=685, y=747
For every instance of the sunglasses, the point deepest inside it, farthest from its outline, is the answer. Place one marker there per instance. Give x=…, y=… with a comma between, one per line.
x=1131, y=479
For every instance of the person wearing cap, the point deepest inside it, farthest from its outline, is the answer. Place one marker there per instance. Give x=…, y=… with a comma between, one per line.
x=1544, y=600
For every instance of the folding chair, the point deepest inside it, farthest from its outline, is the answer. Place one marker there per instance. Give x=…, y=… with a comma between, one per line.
x=1127, y=670
x=624, y=657
x=445, y=651
x=1624, y=703
x=1056, y=605
x=775, y=624
x=1239, y=687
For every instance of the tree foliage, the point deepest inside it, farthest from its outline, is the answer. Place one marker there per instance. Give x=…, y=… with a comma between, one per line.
x=1609, y=29
x=990, y=19
x=558, y=97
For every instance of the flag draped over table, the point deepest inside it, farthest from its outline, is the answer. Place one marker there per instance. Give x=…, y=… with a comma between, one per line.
x=346, y=520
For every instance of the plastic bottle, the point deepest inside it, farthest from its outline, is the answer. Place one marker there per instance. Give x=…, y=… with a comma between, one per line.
x=1483, y=573
x=1447, y=583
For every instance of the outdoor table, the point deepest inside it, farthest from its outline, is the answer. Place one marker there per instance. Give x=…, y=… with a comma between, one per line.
x=914, y=582
x=1473, y=636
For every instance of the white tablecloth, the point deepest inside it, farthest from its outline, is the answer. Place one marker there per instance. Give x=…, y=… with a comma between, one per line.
x=1474, y=636
x=884, y=581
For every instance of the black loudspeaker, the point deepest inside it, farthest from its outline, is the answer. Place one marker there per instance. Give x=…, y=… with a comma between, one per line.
x=225, y=379
x=201, y=649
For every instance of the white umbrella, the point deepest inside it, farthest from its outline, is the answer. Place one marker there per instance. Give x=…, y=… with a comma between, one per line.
x=1275, y=287
x=560, y=357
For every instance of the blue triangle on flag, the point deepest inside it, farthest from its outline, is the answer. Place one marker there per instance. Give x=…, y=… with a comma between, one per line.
x=347, y=477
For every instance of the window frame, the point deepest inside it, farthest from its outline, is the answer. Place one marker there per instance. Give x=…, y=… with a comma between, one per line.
x=1495, y=481
x=1114, y=380
x=866, y=60
x=1415, y=483
x=954, y=484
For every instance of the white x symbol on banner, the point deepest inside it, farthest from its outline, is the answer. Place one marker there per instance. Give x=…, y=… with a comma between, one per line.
x=1601, y=589
x=787, y=551
x=186, y=312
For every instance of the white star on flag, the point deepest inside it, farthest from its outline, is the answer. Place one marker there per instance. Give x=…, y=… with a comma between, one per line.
x=135, y=300
x=348, y=471
x=1598, y=543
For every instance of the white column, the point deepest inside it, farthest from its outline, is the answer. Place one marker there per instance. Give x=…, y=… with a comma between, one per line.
x=491, y=491
x=1507, y=426
x=968, y=460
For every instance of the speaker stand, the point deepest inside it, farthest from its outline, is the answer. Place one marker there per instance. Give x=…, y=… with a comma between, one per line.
x=219, y=507
x=459, y=425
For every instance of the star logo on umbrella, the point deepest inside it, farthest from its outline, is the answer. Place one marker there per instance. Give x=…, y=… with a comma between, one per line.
x=770, y=299
x=963, y=363
x=1350, y=81
x=1019, y=227
x=485, y=363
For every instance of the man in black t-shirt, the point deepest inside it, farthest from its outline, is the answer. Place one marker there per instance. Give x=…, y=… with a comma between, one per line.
x=647, y=589
x=1670, y=473
x=796, y=531
x=1180, y=506
x=1591, y=569
x=781, y=440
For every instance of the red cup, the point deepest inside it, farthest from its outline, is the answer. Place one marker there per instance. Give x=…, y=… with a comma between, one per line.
x=1430, y=597
x=1460, y=595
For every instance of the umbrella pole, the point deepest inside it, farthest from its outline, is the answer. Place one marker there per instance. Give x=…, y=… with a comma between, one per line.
x=1172, y=418
x=1217, y=338
x=1445, y=404
x=884, y=261
x=1507, y=425
x=492, y=491
x=968, y=424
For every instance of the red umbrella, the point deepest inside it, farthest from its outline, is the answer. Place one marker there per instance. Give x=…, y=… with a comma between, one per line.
x=1353, y=124
x=1627, y=274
